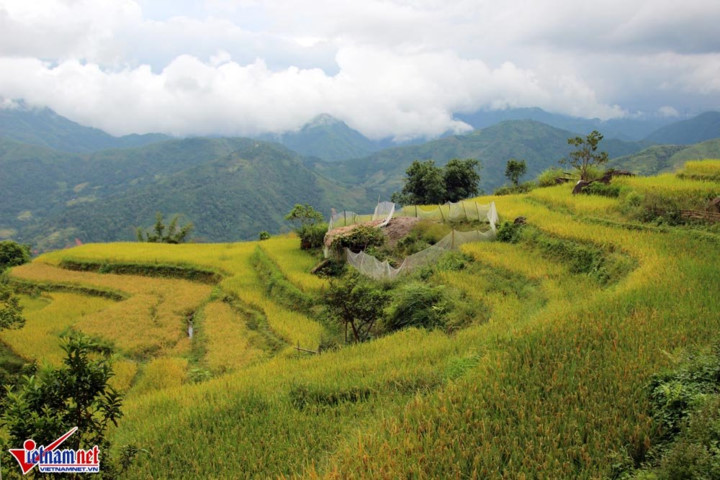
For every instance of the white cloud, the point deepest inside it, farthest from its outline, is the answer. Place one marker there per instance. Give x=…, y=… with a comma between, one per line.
x=387, y=67
x=378, y=92
x=668, y=111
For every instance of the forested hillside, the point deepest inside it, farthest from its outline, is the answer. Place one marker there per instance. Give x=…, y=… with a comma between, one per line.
x=230, y=189
x=540, y=145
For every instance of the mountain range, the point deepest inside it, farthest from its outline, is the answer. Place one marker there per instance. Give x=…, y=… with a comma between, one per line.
x=62, y=181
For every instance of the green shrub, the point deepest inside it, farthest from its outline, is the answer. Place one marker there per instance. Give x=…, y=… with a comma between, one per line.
x=312, y=236
x=602, y=190
x=696, y=453
x=417, y=304
x=685, y=407
x=331, y=268
x=411, y=244
x=264, y=235
x=360, y=238
x=13, y=254
x=675, y=394
x=509, y=232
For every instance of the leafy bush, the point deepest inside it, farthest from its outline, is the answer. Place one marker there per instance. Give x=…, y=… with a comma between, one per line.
x=675, y=394
x=602, y=190
x=685, y=407
x=359, y=238
x=509, y=232
x=666, y=205
x=331, y=268
x=13, y=254
x=411, y=244
x=696, y=453
x=417, y=304
x=264, y=235
x=76, y=394
x=10, y=308
x=312, y=235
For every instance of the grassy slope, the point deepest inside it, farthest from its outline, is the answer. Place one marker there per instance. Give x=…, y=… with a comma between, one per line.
x=666, y=158
x=551, y=383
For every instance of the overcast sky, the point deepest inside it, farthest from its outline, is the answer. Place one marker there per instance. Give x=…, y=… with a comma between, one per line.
x=397, y=68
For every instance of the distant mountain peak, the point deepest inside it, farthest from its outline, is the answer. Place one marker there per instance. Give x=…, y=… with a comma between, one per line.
x=323, y=120
x=700, y=128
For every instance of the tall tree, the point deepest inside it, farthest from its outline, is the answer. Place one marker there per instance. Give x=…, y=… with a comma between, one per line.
x=514, y=170
x=424, y=185
x=461, y=179
x=303, y=216
x=585, y=153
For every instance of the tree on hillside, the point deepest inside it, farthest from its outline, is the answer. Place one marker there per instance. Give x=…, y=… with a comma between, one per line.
x=461, y=179
x=10, y=309
x=424, y=185
x=514, y=170
x=302, y=216
x=76, y=394
x=13, y=254
x=585, y=153
x=308, y=224
x=427, y=184
x=357, y=303
x=165, y=234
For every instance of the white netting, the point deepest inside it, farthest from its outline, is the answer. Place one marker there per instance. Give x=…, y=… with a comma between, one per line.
x=343, y=219
x=374, y=268
x=463, y=210
x=384, y=211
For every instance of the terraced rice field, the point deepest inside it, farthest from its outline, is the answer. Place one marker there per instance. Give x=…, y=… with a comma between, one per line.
x=547, y=380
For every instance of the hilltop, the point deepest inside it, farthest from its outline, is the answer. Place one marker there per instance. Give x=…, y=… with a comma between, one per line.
x=540, y=145
x=43, y=127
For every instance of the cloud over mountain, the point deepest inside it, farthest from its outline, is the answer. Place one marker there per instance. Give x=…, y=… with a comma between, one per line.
x=387, y=68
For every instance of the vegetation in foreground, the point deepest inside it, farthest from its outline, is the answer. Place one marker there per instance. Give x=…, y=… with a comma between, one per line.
x=573, y=318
